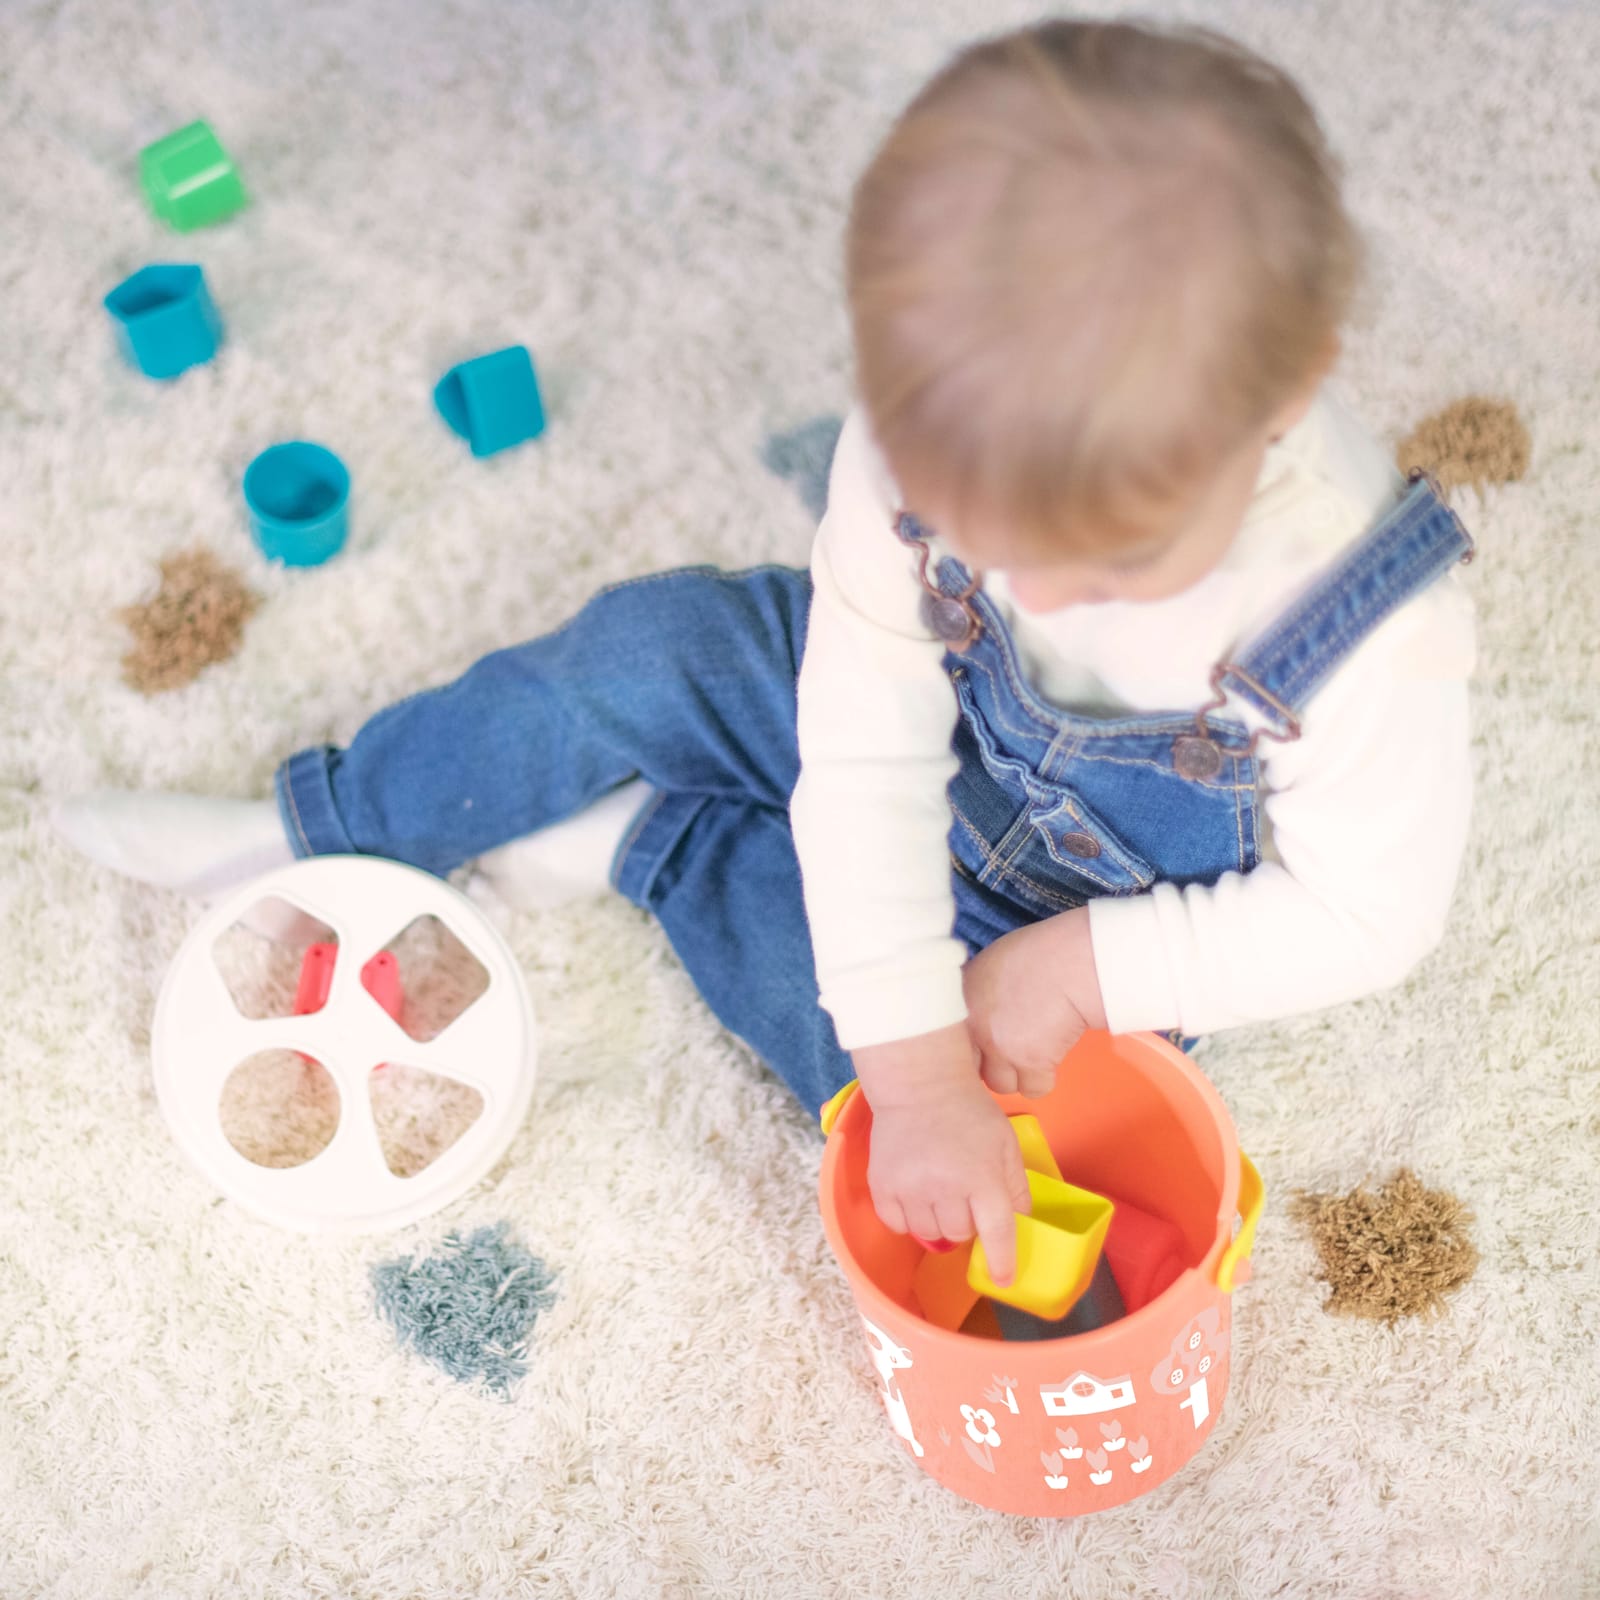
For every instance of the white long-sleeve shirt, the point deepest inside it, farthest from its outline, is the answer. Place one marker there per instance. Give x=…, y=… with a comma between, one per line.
x=1365, y=815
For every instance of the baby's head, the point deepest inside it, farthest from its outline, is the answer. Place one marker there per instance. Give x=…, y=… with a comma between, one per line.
x=1094, y=269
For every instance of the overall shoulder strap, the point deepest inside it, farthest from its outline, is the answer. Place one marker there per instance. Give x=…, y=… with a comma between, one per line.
x=1278, y=671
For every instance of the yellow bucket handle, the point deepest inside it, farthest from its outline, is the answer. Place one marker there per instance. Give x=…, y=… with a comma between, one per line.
x=1252, y=1195
x=830, y=1112
x=1252, y=1192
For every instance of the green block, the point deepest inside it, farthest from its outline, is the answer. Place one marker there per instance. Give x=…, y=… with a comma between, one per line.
x=188, y=178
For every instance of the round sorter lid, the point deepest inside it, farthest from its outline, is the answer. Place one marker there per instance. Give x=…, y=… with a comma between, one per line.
x=200, y=1035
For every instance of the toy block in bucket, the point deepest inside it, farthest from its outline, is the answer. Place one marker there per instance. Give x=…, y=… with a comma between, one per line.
x=1144, y=1253
x=1100, y=1303
x=1058, y=1249
x=1092, y=1420
x=1058, y=1245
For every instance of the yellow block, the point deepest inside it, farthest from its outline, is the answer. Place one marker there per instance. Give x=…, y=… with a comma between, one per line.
x=1036, y=1152
x=1058, y=1246
x=1057, y=1249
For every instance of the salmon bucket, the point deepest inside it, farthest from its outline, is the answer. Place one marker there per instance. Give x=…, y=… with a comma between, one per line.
x=1055, y=1427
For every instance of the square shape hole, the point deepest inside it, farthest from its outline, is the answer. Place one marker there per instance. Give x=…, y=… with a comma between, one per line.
x=439, y=977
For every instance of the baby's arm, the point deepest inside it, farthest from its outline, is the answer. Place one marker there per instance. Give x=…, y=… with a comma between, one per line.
x=1368, y=812
x=870, y=812
x=871, y=822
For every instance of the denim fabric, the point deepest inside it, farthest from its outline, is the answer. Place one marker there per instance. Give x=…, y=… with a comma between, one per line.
x=687, y=679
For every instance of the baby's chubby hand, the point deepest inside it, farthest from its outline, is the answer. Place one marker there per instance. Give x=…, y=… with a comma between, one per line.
x=943, y=1161
x=1031, y=995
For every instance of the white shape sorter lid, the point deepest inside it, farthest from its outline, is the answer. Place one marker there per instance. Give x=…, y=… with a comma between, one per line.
x=199, y=1037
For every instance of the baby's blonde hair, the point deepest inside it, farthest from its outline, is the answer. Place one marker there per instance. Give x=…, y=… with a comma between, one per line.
x=1087, y=261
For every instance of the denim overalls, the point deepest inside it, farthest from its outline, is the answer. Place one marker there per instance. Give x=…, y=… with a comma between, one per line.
x=687, y=678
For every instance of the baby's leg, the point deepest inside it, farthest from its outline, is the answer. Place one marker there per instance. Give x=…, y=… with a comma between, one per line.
x=567, y=861
x=721, y=877
x=203, y=846
x=199, y=845
x=681, y=681
x=685, y=680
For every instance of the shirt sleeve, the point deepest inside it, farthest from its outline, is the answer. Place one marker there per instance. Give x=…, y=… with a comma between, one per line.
x=1368, y=813
x=870, y=812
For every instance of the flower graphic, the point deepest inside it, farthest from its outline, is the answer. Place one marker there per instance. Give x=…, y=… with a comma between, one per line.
x=1054, y=1476
x=980, y=1426
x=1002, y=1392
x=1070, y=1447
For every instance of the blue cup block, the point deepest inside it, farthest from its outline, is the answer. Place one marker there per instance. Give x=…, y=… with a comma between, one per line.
x=493, y=401
x=298, y=496
x=166, y=322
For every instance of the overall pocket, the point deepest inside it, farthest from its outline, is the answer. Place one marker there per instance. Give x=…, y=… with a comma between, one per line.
x=1036, y=841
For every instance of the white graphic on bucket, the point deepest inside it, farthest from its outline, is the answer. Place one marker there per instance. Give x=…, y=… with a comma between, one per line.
x=1111, y=1432
x=1003, y=1392
x=1198, y=1402
x=982, y=1437
x=1082, y=1395
x=980, y=1426
x=889, y=1357
x=1070, y=1447
x=1139, y=1450
x=1198, y=1347
x=1055, y=1476
x=1099, y=1472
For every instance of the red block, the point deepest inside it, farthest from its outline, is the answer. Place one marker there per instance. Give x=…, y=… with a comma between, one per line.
x=316, y=978
x=380, y=978
x=1145, y=1252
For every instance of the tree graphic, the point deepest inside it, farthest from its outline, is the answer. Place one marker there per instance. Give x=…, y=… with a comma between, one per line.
x=1194, y=1353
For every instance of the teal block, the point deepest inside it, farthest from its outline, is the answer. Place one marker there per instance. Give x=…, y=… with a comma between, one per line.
x=165, y=319
x=493, y=402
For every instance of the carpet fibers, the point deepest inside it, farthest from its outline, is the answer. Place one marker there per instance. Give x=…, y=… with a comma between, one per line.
x=625, y=1364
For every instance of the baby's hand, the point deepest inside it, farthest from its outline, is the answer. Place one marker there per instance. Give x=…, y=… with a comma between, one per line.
x=943, y=1162
x=1031, y=995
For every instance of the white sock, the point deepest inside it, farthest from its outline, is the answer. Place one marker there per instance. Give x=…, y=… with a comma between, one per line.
x=570, y=860
x=195, y=844
x=204, y=847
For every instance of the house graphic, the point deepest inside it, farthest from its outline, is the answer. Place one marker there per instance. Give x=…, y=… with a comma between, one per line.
x=1083, y=1395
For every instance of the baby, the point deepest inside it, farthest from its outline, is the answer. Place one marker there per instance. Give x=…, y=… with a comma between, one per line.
x=1126, y=688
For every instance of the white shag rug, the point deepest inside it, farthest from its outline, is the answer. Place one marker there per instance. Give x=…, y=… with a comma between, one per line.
x=650, y=194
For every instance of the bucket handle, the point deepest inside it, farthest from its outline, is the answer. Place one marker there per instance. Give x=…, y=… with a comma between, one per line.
x=830, y=1112
x=1233, y=1269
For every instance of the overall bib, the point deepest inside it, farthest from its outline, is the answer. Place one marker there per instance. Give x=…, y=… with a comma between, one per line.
x=687, y=679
